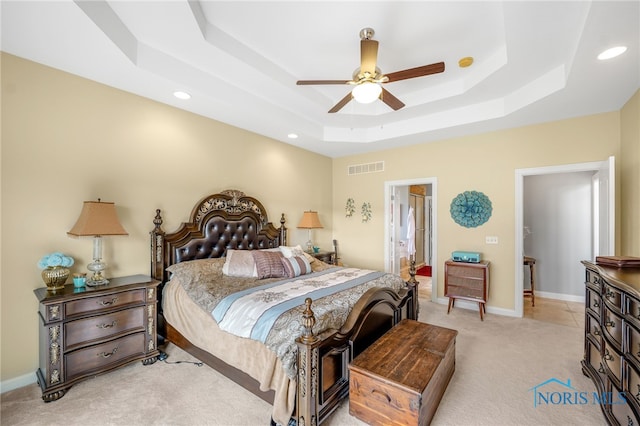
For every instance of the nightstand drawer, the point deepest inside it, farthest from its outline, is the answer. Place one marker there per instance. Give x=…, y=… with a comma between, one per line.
x=84, y=331
x=97, y=358
x=476, y=292
x=109, y=301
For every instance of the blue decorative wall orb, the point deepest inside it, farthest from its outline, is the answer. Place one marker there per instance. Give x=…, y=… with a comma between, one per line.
x=471, y=209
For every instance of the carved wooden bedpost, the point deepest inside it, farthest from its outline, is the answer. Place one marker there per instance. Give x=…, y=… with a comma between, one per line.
x=283, y=231
x=308, y=358
x=157, y=248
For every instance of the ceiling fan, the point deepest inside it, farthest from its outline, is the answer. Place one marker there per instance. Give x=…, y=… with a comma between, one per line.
x=368, y=79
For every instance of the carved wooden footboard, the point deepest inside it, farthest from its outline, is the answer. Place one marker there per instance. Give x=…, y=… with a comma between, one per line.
x=230, y=219
x=323, y=360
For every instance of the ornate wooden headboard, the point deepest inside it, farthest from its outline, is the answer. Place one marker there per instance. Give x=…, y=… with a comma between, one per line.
x=228, y=220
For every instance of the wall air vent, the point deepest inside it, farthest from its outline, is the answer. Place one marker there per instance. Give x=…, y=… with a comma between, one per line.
x=359, y=169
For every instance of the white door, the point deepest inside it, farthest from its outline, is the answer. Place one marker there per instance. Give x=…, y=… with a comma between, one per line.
x=604, y=202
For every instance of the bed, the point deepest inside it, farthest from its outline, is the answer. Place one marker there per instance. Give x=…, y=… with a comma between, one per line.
x=300, y=364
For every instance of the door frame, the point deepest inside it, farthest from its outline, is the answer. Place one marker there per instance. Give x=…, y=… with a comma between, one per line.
x=388, y=186
x=520, y=174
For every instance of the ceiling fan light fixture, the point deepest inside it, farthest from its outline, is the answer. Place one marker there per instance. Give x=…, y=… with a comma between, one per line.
x=366, y=92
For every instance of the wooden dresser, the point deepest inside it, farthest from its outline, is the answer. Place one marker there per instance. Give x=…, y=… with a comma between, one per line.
x=612, y=340
x=400, y=379
x=92, y=330
x=468, y=281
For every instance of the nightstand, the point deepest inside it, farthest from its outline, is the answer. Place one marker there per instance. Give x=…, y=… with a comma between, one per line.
x=325, y=256
x=92, y=330
x=469, y=281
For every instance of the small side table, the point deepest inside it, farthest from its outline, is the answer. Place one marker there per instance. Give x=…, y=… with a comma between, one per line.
x=89, y=331
x=469, y=281
x=325, y=256
x=531, y=263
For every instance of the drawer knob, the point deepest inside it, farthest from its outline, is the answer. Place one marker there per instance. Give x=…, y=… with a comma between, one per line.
x=610, y=324
x=608, y=356
x=601, y=369
x=596, y=304
x=609, y=294
x=596, y=332
x=107, y=302
x=108, y=354
x=103, y=326
x=382, y=393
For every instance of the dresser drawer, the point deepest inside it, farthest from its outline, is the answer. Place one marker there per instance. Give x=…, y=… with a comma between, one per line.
x=593, y=330
x=97, y=358
x=594, y=358
x=633, y=383
x=109, y=301
x=593, y=280
x=613, y=298
x=633, y=311
x=84, y=331
x=593, y=303
x=612, y=327
x=612, y=361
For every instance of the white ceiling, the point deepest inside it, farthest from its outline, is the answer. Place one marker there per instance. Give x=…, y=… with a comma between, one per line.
x=240, y=60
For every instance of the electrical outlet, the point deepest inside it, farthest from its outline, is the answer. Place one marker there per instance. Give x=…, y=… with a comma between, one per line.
x=491, y=240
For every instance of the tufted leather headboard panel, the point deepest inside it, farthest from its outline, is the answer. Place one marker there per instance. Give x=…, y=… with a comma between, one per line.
x=228, y=220
x=221, y=234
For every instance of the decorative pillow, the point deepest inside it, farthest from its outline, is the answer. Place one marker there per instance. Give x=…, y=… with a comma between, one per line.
x=268, y=264
x=295, y=266
x=296, y=251
x=239, y=263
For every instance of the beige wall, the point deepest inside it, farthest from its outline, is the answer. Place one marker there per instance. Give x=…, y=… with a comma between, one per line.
x=630, y=177
x=66, y=140
x=485, y=162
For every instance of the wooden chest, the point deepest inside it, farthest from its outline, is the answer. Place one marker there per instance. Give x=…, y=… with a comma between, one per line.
x=400, y=378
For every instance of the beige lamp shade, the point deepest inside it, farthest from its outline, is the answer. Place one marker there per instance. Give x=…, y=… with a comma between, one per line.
x=310, y=220
x=97, y=218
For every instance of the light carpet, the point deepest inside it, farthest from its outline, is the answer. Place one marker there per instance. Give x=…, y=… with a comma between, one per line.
x=499, y=362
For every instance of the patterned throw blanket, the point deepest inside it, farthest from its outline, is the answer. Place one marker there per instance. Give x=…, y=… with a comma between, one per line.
x=252, y=312
x=207, y=286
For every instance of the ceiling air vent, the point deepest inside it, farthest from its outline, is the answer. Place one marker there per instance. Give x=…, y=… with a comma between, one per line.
x=359, y=169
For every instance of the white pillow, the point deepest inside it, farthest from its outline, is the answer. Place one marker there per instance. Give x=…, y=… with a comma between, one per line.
x=296, y=251
x=239, y=263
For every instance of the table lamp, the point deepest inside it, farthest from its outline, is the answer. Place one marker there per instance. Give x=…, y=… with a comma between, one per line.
x=310, y=220
x=97, y=219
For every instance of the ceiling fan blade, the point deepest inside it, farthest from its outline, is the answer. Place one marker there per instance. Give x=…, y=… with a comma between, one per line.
x=416, y=72
x=391, y=100
x=342, y=103
x=313, y=82
x=368, y=56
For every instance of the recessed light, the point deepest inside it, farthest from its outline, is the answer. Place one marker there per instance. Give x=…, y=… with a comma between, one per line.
x=292, y=136
x=181, y=95
x=612, y=53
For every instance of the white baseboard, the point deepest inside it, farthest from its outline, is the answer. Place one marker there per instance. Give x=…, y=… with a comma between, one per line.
x=473, y=306
x=17, y=382
x=560, y=296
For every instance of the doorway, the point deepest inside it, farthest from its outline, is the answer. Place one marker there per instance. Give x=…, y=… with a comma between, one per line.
x=421, y=194
x=592, y=188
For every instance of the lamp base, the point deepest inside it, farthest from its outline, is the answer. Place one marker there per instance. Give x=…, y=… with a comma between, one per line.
x=97, y=279
x=92, y=283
